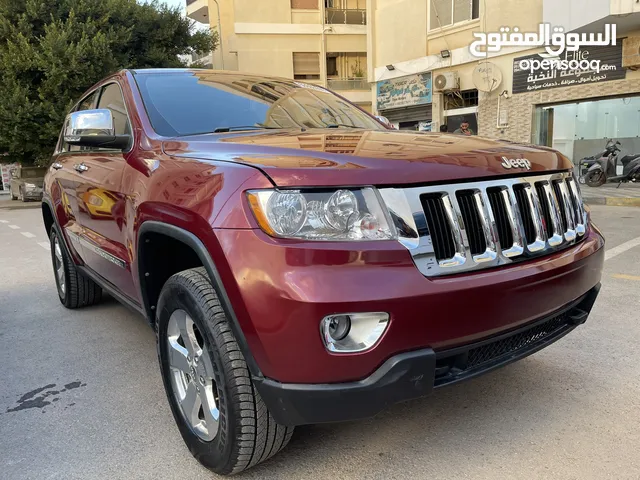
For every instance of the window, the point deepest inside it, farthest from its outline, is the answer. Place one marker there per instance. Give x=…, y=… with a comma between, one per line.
x=306, y=66
x=332, y=65
x=192, y=103
x=88, y=102
x=448, y=12
x=111, y=99
x=304, y=4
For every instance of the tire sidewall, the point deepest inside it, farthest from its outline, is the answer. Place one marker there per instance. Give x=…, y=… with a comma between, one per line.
x=602, y=179
x=55, y=234
x=216, y=453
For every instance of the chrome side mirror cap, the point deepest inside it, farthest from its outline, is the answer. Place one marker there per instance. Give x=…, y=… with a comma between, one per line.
x=94, y=128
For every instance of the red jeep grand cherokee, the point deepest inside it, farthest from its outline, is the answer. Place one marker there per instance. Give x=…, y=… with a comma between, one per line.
x=300, y=262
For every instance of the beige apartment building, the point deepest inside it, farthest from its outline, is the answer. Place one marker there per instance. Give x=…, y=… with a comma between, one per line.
x=318, y=41
x=410, y=61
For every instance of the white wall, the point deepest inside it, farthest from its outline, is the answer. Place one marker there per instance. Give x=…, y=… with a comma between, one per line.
x=572, y=14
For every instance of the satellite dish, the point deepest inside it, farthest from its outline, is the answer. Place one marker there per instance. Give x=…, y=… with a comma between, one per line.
x=486, y=77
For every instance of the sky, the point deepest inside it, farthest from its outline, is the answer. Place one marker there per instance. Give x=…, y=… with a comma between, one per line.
x=175, y=3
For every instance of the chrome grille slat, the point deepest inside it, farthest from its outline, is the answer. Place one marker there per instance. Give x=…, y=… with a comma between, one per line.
x=554, y=211
x=578, y=206
x=536, y=214
x=460, y=255
x=570, y=232
x=488, y=227
x=516, y=225
x=489, y=207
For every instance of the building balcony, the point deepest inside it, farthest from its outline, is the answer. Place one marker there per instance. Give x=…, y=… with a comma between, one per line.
x=345, y=16
x=592, y=15
x=198, y=10
x=205, y=59
x=339, y=84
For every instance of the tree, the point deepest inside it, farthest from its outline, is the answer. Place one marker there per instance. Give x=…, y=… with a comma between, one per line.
x=53, y=51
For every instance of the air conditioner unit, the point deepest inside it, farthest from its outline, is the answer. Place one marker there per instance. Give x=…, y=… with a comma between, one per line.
x=631, y=53
x=446, y=81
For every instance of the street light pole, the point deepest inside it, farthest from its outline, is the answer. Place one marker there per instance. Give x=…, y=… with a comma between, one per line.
x=220, y=34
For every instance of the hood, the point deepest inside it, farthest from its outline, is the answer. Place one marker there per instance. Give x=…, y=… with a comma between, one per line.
x=343, y=157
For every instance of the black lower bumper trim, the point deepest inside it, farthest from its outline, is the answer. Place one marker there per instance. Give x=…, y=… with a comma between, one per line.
x=415, y=374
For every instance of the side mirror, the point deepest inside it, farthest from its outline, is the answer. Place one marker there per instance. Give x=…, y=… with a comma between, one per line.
x=94, y=128
x=14, y=173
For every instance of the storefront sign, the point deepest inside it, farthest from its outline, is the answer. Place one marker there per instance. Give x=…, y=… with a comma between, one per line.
x=546, y=74
x=5, y=172
x=404, y=91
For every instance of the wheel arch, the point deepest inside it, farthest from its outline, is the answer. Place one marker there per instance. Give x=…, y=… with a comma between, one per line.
x=149, y=293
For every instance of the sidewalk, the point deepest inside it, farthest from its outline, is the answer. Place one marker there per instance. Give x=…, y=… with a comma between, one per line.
x=627, y=195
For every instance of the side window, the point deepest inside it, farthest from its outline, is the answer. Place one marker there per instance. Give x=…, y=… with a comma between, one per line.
x=111, y=99
x=87, y=103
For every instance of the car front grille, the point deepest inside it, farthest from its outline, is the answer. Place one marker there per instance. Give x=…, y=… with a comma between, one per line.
x=470, y=226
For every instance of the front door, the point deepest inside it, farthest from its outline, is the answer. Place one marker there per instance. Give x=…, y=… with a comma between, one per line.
x=101, y=202
x=65, y=161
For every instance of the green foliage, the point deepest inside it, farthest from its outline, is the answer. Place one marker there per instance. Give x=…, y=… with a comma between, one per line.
x=53, y=51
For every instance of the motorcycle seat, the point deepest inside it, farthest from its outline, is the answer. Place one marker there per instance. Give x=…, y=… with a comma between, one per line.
x=628, y=158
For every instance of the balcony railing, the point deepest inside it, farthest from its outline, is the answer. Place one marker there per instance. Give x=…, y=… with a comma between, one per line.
x=346, y=16
x=347, y=84
x=205, y=58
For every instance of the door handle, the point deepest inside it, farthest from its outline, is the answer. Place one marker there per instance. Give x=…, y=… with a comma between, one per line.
x=56, y=166
x=80, y=167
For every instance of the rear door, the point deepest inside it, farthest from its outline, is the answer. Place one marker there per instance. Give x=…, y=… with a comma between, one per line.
x=101, y=201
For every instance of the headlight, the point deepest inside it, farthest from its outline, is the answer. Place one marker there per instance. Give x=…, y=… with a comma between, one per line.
x=338, y=215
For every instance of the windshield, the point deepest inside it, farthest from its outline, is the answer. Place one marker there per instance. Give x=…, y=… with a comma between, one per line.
x=191, y=103
x=33, y=172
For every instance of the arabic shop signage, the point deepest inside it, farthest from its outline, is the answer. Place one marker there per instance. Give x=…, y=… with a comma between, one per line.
x=551, y=74
x=404, y=91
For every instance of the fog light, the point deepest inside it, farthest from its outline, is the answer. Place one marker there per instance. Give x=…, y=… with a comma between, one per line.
x=353, y=332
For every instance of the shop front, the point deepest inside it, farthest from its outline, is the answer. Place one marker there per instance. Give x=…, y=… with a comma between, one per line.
x=578, y=111
x=406, y=101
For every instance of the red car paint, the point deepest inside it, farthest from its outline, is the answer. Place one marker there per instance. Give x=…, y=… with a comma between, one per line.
x=281, y=289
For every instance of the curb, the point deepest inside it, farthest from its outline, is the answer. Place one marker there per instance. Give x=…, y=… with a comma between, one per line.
x=614, y=201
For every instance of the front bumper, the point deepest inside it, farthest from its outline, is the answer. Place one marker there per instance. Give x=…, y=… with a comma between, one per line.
x=280, y=291
x=415, y=374
x=33, y=194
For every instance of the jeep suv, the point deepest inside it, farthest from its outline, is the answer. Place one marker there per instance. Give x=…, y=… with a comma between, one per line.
x=299, y=261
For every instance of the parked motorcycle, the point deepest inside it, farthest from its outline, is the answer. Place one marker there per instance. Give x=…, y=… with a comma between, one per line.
x=604, y=169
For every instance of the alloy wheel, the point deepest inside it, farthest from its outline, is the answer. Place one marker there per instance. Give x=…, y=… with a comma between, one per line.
x=191, y=373
x=59, y=266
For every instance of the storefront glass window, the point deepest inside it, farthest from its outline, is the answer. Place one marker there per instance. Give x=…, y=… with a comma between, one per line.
x=581, y=129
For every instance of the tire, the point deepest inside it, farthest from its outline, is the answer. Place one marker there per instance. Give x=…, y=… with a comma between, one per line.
x=246, y=433
x=74, y=289
x=596, y=178
x=21, y=195
x=13, y=197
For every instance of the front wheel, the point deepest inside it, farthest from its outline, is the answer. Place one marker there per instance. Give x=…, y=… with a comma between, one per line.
x=75, y=290
x=13, y=197
x=219, y=413
x=595, y=178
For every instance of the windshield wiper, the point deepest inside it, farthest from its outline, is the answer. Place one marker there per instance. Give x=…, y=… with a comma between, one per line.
x=236, y=128
x=338, y=125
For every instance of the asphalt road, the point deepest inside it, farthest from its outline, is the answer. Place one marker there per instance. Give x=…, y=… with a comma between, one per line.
x=81, y=395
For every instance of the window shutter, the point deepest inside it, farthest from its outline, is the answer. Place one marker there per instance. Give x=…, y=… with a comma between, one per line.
x=306, y=63
x=304, y=4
